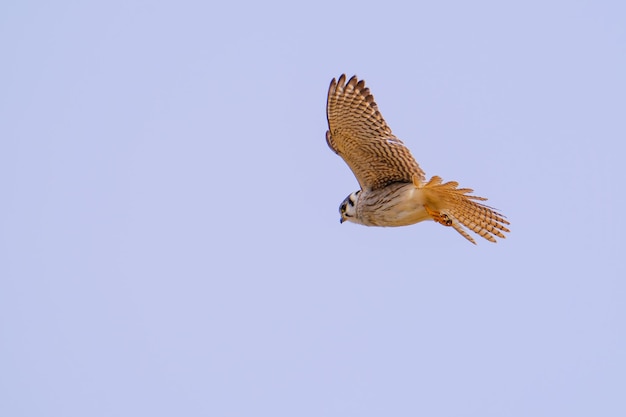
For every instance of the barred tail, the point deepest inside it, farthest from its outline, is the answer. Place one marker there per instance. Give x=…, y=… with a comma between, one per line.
x=452, y=206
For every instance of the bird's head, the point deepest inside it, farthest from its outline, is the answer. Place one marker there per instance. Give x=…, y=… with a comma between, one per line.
x=347, y=209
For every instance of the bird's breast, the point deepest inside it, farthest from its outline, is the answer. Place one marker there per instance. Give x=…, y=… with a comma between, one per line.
x=395, y=205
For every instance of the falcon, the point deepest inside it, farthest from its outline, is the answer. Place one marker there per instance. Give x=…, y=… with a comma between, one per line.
x=394, y=190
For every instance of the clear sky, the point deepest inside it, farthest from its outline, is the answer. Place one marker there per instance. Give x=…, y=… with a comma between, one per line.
x=169, y=236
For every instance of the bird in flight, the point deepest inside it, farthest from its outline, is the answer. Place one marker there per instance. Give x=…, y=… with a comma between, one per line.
x=394, y=190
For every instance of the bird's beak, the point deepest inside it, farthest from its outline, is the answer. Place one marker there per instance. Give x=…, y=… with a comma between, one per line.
x=341, y=220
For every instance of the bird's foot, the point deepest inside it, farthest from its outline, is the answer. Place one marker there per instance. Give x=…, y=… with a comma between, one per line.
x=440, y=218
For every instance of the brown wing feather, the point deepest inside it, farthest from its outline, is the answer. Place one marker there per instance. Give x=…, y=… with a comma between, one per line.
x=358, y=133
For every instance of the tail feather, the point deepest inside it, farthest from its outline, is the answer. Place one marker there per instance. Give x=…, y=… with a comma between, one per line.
x=464, y=210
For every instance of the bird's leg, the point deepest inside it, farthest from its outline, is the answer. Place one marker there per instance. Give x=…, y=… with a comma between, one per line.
x=440, y=218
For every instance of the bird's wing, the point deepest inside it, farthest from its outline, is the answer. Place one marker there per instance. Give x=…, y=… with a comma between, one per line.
x=358, y=133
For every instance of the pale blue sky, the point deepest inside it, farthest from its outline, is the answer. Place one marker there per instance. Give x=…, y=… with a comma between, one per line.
x=169, y=234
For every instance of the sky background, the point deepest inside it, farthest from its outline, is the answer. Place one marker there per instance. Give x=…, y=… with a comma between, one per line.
x=169, y=235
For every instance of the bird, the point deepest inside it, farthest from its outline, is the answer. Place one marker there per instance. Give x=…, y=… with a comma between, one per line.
x=394, y=190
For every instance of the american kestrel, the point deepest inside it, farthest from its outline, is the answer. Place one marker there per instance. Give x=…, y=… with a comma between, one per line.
x=394, y=191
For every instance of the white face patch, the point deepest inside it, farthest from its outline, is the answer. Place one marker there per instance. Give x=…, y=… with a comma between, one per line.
x=348, y=206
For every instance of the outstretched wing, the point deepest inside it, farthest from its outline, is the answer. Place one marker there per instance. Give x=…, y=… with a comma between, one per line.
x=358, y=133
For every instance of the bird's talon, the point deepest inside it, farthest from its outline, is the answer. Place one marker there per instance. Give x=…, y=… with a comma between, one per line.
x=443, y=219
